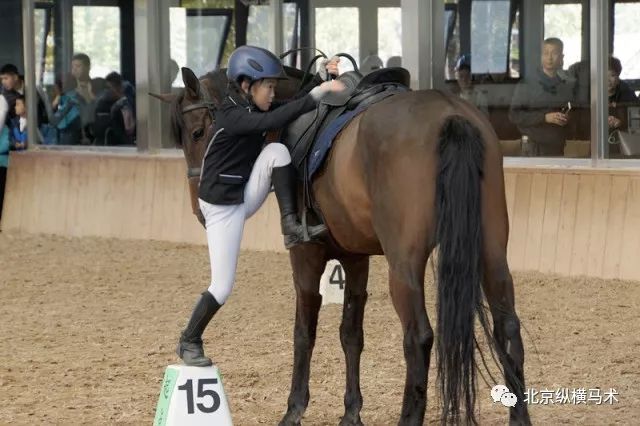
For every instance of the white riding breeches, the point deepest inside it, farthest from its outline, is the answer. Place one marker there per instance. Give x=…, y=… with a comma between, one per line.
x=225, y=223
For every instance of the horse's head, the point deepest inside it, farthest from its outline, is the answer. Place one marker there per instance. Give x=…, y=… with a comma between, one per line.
x=193, y=119
x=192, y=115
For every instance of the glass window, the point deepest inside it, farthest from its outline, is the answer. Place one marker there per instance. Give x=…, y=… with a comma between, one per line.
x=338, y=31
x=390, y=34
x=498, y=45
x=498, y=61
x=198, y=39
x=564, y=21
x=490, y=43
x=96, y=32
x=43, y=29
x=258, y=27
x=451, y=38
x=514, y=49
x=625, y=39
x=624, y=80
x=85, y=92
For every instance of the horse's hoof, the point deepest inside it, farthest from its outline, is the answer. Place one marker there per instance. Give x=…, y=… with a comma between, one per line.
x=520, y=422
x=287, y=423
x=288, y=420
x=351, y=421
x=519, y=419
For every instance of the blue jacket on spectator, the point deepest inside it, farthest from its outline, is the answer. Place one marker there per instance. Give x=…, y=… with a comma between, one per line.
x=17, y=135
x=4, y=146
x=68, y=110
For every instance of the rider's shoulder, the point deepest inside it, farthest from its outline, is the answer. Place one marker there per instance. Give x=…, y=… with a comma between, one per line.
x=229, y=103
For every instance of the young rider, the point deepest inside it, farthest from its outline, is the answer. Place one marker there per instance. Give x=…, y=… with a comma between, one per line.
x=238, y=171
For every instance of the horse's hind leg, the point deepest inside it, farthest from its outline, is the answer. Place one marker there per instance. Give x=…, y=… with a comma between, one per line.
x=308, y=262
x=351, y=335
x=406, y=282
x=498, y=287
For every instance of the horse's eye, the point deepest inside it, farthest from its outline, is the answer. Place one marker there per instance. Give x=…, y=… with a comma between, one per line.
x=198, y=134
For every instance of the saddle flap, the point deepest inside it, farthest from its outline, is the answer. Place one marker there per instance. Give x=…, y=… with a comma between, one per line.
x=386, y=75
x=351, y=79
x=298, y=136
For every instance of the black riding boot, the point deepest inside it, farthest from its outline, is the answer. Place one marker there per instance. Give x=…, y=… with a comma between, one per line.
x=190, y=346
x=285, y=185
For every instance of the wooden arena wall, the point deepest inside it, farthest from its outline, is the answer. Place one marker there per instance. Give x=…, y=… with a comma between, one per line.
x=113, y=195
x=571, y=221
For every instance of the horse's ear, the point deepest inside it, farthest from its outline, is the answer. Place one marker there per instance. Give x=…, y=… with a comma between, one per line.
x=164, y=97
x=191, y=82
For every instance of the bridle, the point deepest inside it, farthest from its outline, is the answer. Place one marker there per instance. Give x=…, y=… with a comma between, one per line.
x=193, y=173
x=205, y=103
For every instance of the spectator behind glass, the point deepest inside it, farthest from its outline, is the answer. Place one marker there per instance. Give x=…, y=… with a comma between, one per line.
x=12, y=87
x=620, y=96
x=538, y=102
x=66, y=119
x=466, y=89
x=80, y=68
x=122, y=122
x=18, y=130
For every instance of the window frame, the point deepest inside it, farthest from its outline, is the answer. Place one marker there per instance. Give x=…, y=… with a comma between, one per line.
x=514, y=7
x=227, y=13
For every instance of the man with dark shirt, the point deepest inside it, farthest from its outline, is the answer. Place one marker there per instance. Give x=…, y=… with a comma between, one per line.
x=538, y=102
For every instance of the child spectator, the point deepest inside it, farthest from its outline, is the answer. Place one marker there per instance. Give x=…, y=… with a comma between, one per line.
x=19, y=125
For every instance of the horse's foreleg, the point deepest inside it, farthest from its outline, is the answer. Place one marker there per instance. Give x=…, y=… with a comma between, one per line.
x=351, y=334
x=308, y=262
x=498, y=286
x=406, y=282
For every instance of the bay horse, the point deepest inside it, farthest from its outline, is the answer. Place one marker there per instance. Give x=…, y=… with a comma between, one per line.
x=417, y=170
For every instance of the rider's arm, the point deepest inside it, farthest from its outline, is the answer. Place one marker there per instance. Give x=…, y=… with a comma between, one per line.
x=237, y=120
x=318, y=78
x=315, y=81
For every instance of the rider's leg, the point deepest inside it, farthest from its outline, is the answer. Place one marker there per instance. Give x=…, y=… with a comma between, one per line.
x=274, y=166
x=224, y=233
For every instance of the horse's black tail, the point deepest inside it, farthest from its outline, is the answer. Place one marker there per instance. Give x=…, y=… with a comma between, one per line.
x=459, y=235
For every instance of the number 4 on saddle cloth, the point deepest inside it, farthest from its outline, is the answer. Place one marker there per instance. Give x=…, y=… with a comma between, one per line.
x=310, y=137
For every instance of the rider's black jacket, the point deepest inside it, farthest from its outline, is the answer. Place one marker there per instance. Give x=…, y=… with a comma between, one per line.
x=239, y=138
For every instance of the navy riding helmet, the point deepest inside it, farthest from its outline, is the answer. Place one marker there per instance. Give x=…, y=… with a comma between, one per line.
x=255, y=63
